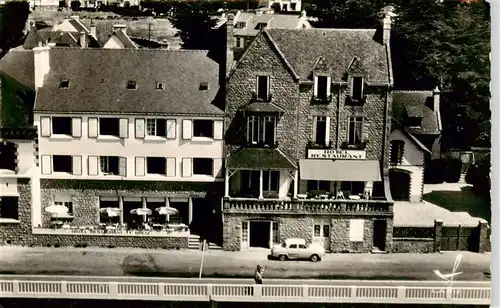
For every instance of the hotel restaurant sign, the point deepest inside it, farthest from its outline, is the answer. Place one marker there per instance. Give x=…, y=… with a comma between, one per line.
x=336, y=154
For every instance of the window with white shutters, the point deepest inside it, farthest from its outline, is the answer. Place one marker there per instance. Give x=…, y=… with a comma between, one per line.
x=62, y=126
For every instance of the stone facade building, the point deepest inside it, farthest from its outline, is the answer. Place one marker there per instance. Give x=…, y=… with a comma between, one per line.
x=307, y=128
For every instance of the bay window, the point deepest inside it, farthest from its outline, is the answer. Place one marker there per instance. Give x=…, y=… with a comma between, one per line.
x=261, y=130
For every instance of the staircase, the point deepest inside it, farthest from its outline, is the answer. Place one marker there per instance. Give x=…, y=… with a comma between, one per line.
x=194, y=243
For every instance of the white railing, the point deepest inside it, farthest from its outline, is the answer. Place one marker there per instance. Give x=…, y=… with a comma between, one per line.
x=200, y=291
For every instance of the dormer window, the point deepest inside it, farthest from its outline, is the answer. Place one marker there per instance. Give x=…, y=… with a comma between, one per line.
x=160, y=86
x=241, y=25
x=357, y=88
x=64, y=84
x=204, y=86
x=131, y=85
x=322, y=87
x=261, y=25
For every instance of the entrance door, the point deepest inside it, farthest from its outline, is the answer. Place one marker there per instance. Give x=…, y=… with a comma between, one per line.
x=322, y=233
x=260, y=234
x=400, y=184
x=379, y=233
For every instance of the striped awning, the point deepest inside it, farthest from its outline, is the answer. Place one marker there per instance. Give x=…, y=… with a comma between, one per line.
x=340, y=170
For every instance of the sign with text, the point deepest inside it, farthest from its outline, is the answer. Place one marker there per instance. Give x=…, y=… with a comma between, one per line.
x=336, y=154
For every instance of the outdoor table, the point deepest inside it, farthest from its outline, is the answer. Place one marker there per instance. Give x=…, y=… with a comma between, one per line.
x=158, y=227
x=324, y=196
x=301, y=196
x=354, y=197
x=66, y=226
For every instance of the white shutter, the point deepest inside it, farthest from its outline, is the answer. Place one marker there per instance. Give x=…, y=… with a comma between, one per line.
x=76, y=127
x=356, y=230
x=77, y=165
x=123, y=128
x=46, y=164
x=171, y=129
x=218, y=130
x=140, y=128
x=315, y=86
x=187, y=129
x=45, y=128
x=93, y=127
x=171, y=168
x=93, y=162
x=122, y=166
x=140, y=164
x=187, y=167
x=217, y=167
x=328, y=85
x=315, y=124
x=327, y=131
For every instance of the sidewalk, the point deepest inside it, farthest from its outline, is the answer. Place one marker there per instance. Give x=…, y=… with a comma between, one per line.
x=222, y=264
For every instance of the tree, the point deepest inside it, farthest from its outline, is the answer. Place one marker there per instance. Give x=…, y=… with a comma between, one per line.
x=195, y=24
x=13, y=17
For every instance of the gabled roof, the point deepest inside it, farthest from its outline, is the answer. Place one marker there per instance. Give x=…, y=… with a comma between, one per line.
x=302, y=48
x=416, y=104
x=397, y=126
x=98, y=79
x=252, y=19
x=19, y=65
x=124, y=39
x=60, y=38
x=78, y=25
x=259, y=158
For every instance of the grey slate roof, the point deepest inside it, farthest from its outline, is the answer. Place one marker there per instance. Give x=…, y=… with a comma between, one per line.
x=124, y=39
x=67, y=39
x=19, y=64
x=98, y=79
x=272, y=21
x=260, y=158
x=416, y=104
x=337, y=47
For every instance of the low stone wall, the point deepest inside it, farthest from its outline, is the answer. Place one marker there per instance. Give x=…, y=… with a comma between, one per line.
x=19, y=232
x=413, y=245
x=109, y=241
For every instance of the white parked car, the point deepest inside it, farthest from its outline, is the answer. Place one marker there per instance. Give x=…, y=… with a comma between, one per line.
x=296, y=248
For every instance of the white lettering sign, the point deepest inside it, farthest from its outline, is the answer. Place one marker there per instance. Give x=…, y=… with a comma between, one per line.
x=336, y=154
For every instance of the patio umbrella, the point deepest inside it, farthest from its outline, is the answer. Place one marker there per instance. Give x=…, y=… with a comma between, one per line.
x=141, y=211
x=110, y=211
x=165, y=210
x=57, y=210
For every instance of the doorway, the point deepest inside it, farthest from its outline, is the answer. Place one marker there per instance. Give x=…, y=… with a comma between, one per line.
x=321, y=233
x=379, y=233
x=260, y=234
x=400, y=184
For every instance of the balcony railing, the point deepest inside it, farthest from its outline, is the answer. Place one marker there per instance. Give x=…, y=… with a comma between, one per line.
x=361, y=146
x=276, y=206
x=321, y=99
x=259, y=98
x=355, y=102
x=315, y=146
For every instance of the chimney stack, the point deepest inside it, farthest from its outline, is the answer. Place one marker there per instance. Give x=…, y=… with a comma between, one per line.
x=83, y=39
x=93, y=30
x=75, y=17
x=386, y=14
x=41, y=64
x=230, y=43
x=121, y=27
x=436, y=95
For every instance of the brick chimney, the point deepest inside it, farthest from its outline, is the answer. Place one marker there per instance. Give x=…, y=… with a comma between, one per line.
x=230, y=43
x=436, y=96
x=83, y=39
x=41, y=65
x=386, y=15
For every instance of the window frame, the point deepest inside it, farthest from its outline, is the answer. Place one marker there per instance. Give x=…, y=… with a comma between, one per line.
x=265, y=121
x=156, y=132
x=324, y=95
x=268, y=88
x=397, y=147
x=60, y=156
x=269, y=182
x=253, y=129
x=131, y=85
x=104, y=119
x=354, y=90
x=58, y=118
x=15, y=200
x=355, y=120
x=194, y=129
x=322, y=140
x=105, y=161
x=164, y=161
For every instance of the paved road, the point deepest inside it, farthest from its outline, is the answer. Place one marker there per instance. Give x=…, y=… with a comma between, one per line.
x=219, y=264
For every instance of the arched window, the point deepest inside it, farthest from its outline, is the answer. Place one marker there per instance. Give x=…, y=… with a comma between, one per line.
x=397, y=151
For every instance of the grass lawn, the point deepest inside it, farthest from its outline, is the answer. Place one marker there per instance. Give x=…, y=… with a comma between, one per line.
x=461, y=201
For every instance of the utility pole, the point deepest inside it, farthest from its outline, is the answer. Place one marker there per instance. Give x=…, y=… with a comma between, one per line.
x=149, y=31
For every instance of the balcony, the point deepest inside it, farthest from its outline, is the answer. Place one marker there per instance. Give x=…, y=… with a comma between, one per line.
x=355, y=102
x=321, y=99
x=257, y=98
x=312, y=206
x=360, y=146
x=315, y=146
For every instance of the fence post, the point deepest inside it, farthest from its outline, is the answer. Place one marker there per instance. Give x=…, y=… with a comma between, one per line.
x=257, y=290
x=161, y=289
x=354, y=291
x=482, y=236
x=305, y=290
x=113, y=290
x=401, y=292
x=64, y=287
x=15, y=286
x=438, y=229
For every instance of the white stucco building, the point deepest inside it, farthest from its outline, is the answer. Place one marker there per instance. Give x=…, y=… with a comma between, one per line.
x=130, y=129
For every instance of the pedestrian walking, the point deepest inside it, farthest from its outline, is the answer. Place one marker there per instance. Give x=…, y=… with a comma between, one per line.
x=258, y=274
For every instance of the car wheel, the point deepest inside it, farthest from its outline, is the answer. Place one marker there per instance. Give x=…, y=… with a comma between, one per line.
x=315, y=258
x=283, y=257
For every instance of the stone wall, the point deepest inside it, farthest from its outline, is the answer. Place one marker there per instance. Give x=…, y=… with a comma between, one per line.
x=262, y=59
x=149, y=242
x=302, y=226
x=413, y=245
x=19, y=233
